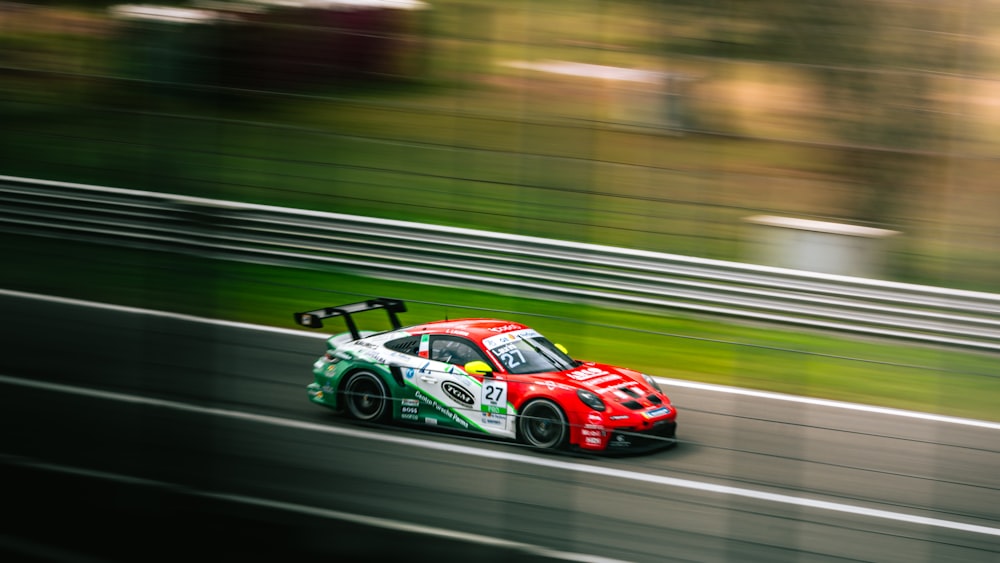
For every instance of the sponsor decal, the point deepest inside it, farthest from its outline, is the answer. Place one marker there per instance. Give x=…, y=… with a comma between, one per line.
x=458, y=332
x=591, y=441
x=399, y=356
x=410, y=403
x=619, y=442
x=553, y=385
x=501, y=339
x=494, y=419
x=661, y=411
x=448, y=413
x=618, y=417
x=458, y=393
x=605, y=379
x=505, y=349
x=375, y=357
x=429, y=420
x=594, y=427
x=410, y=372
x=494, y=397
x=453, y=415
x=586, y=373
x=505, y=328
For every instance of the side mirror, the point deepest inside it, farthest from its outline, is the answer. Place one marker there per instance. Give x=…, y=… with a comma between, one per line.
x=562, y=348
x=477, y=367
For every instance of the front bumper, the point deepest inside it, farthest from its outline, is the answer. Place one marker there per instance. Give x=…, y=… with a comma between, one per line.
x=629, y=440
x=661, y=435
x=317, y=395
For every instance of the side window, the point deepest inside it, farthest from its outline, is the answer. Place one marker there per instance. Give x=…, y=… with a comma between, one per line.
x=407, y=345
x=455, y=350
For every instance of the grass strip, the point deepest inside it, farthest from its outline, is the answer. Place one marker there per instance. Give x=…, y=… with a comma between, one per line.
x=664, y=343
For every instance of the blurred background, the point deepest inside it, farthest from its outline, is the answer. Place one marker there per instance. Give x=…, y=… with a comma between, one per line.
x=666, y=125
x=845, y=137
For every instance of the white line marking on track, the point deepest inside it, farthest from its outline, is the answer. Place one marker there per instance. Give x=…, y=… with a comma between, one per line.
x=667, y=381
x=508, y=456
x=829, y=403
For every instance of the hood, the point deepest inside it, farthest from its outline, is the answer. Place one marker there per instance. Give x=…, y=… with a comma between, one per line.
x=615, y=385
x=609, y=382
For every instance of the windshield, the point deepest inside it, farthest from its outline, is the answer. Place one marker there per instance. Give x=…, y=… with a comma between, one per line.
x=526, y=351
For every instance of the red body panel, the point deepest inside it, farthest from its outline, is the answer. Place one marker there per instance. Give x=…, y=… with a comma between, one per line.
x=635, y=411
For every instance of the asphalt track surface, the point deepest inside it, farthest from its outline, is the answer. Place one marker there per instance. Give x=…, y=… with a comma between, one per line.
x=135, y=437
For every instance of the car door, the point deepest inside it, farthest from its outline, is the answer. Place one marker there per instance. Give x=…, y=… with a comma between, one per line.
x=481, y=400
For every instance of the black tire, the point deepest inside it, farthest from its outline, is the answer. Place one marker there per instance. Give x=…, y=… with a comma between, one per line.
x=542, y=424
x=366, y=397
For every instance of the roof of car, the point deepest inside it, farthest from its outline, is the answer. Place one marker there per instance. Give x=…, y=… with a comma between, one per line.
x=477, y=328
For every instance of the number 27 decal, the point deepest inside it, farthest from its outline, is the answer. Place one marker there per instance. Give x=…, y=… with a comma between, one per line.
x=494, y=397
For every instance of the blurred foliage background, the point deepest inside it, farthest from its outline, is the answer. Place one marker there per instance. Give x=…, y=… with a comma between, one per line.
x=653, y=124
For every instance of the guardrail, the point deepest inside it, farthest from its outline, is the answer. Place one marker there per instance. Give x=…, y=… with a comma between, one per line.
x=555, y=269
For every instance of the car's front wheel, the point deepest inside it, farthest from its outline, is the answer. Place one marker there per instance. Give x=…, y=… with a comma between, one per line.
x=542, y=424
x=367, y=397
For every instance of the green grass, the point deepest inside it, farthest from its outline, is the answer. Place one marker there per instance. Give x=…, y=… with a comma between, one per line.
x=663, y=343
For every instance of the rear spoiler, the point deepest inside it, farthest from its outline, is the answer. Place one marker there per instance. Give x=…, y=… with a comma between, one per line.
x=314, y=319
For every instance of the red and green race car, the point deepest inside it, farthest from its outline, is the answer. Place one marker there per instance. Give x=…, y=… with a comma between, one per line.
x=486, y=376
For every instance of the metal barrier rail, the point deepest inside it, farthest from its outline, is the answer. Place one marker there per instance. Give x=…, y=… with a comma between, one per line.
x=554, y=269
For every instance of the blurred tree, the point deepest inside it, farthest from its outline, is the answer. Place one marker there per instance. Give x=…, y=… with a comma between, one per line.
x=877, y=64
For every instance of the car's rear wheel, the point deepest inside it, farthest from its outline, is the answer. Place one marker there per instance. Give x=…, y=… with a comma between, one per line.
x=542, y=424
x=367, y=397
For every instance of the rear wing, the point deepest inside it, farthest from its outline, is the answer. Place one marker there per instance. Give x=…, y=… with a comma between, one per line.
x=314, y=319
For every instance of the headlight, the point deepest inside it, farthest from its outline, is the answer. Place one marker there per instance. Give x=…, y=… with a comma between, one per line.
x=590, y=399
x=652, y=383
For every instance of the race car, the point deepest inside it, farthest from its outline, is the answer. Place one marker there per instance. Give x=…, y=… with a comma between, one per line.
x=487, y=376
